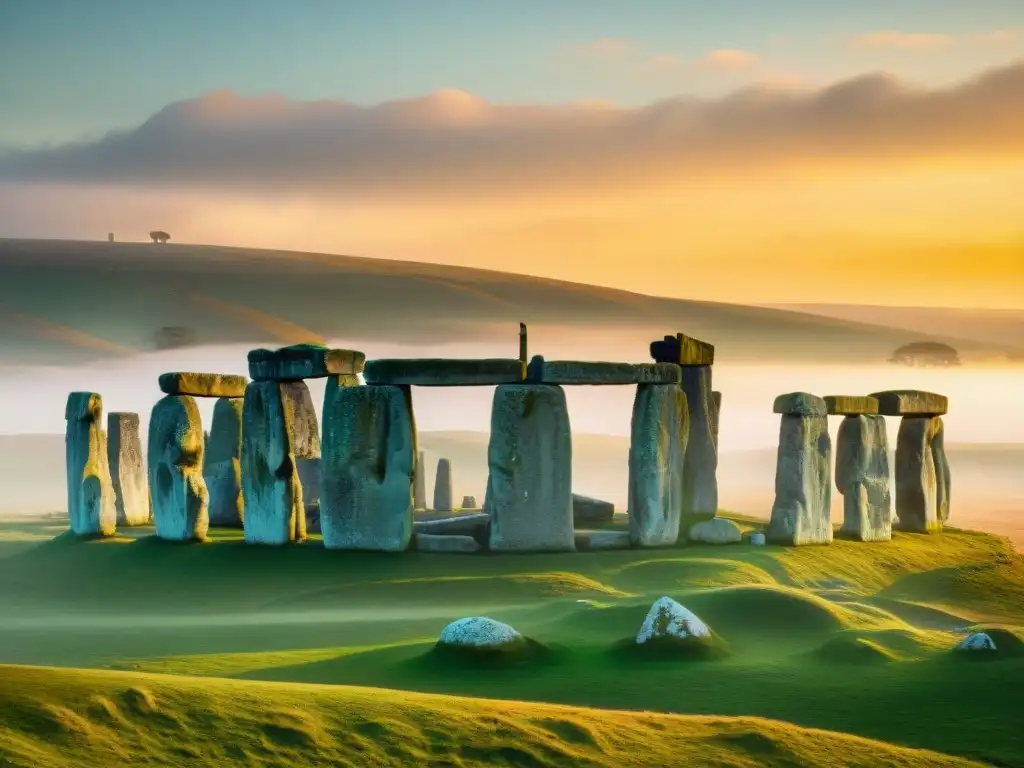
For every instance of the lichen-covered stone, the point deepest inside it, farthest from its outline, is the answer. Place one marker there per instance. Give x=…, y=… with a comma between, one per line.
x=683, y=350
x=601, y=540
x=443, y=501
x=917, y=484
x=92, y=510
x=942, y=477
x=977, y=641
x=862, y=477
x=700, y=463
x=419, y=483
x=443, y=372
x=479, y=632
x=657, y=447
x=801, y=513
x=529, y=482
x=127, y=469
x=367, y=468
x=718, y=530
x=799, y=404
x=585, y=372
x=222, y=467
x=275, y=428
x=911, y=402
x=667, y=619
x=175, y=458
x=304, y=361
x=587, y=510
x=447, y=543
x=851, y=405
x=202, y=384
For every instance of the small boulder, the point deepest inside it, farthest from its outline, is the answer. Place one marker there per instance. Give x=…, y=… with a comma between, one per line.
x=427, y=542
x=977, y=641
x=479, y=632
x=598, y=540
x=588, y=511
x=668, y=620
x=716, y=531
x=757, y=539
x=469, y=502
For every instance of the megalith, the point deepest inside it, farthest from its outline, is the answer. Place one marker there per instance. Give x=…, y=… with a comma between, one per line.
x=419, y=493
x=862, y=468
x=656, y=464
x=801, y=513
x=716, y=400
x=222, y=467
x=175, y=457
x=443, y=494
x=124, y=454
x=91, y=507
x=529, y=481
x=368, y=461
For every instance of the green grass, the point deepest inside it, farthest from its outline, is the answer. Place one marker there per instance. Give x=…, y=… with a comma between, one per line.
x=853, y=638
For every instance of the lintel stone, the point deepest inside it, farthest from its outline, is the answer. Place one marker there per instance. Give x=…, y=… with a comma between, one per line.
x=585, y=372
x=443, y=372
x=851, y=405
x=202, y=384
x=304, y=361
x=799, y=404
x=911, y=402
x=683, y=350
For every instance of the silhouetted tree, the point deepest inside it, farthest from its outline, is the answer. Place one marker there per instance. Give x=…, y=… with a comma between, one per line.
x=927, y=354
x=159, y=236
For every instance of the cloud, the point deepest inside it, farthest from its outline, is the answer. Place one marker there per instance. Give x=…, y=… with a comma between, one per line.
x=924, y=41
x=452, y=143
x=598, y=50
x=726, y=60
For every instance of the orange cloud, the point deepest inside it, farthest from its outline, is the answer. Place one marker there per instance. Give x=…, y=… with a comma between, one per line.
x=924, y=41
x=726, y=60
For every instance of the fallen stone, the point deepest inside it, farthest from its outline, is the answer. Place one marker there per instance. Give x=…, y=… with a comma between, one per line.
x=419, y=483
x=580, y=372
x=303, y=361
x=443, y=372
x=588, y=511
x=758, y=539
x=175, y=458
x=799, y=404
x=92, y=510
x=718, y=530
x=942, y=478
x=222, y=466
x=977, y=641
x=667, y=619
x=443, y=501
x=202, y=384
x=127, y=470
x=426, y=542
x=601, y=540
x=801, y=513
x=368, y=458
x=479, y=632
x=862, y=477
x=700, y=463
x=716, y=402
x=460, y=525
x=469, y=502
x=917, y=485
x=683, y=350
x=529, y=481
x=851, y=405
x=911, y=402
x=656, y=459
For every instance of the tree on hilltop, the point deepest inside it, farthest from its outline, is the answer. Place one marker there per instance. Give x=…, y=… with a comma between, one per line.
x=926, y=354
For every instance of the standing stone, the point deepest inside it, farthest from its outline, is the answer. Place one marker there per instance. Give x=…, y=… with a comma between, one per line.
x=657, y=447
x=716, y=401
x=862, y=477
x=443, y=486
x=124, y=453
x=700, y=468
x=942, y=478
x=529, y=481
x=368, y=458
x=277, y=428
x=918, y=474
x=419, y=493
x=222, y=468
x=175, y=458
x=91, y=507
x=801, y=513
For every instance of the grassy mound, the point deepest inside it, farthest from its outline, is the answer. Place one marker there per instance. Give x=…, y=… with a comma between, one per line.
x=691, y=648
x=1009, y=645
x=523, y=651
x=67, y=717
x=850, y=649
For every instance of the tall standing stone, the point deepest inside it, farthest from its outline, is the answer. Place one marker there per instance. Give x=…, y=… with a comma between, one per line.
x=368, y=457
x=124, y=453
x=716, y=401
x=419, y=492
x=175, y=457
x=91, y=507
x=656, y=464
x=529, y=481
x=862, y=468
x=942, y=478
x=222, y=467
x=443, y=486
x=801, y=513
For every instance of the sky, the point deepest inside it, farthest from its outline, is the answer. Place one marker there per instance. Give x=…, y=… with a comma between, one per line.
x=744, y=150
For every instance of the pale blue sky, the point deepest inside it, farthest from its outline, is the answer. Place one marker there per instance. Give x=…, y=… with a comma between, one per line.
x=72, y=69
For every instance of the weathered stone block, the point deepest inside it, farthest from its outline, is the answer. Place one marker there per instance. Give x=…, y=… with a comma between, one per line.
x=419, y=483
x=700, y=464
x=942, y=478
x=799, y=404
x=683, y=350
x=851, y=405
x=716, y=413
x=529, y=484
x=222, y=467
x=443, y=372
x=92, y=510
x=443, y=501
x=304, y=361
x=917, y=474
x=460, y=525
x=367, y=466
x=911, y=402
x=175, y=457
x=716, y=531
x=581, y=372
x=127, y=470
x=202, y=384
x=862, y=477
x=801, y=513
x=426, y=542
x=657, y=449
x=587, y=511
x=600, y=540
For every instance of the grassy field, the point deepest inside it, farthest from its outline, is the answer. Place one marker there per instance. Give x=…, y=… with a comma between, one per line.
x=218, y=654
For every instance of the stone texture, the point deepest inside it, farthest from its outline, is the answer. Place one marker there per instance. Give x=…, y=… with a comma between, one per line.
x=581, y=372
x=175, y=452
x=277, y=428
x=977, y=641
x=304, y=361
x=587, y=510
x=460, y=525
x=803, y=482
x=716, y=531
x=92, y=510
x=127, y=470
x=911, y=402
x=419, y=483
x=862, y=477
x=851, y=405
x=443, y=501
x=758, y=539
x=368, y=458
x=917, y=484
x=601, y=540
x=469, y=502
x=700, y=463
x=202, y=384
x=716, y=412
x=443, y=372
x=683, y=350
x=656, y=458
x=942, y=478
x=222, y=466
x=799, y=404
x=669, y=619
x=427, y=542
x=479, y=632
x=529, y=482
